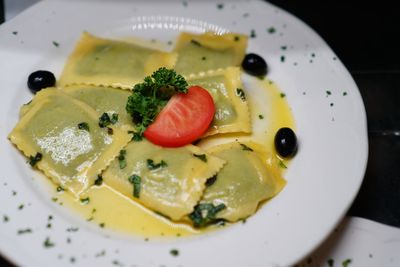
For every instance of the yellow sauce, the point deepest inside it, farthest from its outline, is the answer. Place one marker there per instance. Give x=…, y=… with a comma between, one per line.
x=111, y=210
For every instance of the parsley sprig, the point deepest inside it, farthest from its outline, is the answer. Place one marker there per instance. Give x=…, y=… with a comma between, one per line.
x=149, y=97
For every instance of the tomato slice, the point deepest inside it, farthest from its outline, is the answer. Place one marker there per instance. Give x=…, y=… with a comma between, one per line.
x=184, y=119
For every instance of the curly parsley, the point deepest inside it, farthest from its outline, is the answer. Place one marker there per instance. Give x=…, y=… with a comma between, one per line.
x=149, y=97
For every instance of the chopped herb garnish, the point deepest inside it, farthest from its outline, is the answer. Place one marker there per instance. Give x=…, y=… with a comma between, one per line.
x=114, y=118
x=15, y=32
x=210, y=181
x=344, y=93
x=48, y=225
x=85, y=201
x=152, y=166
x=271, y=30
x=14, y=193
x=102, y=225
x=282, y=95
x=136, y=181
x=240, y=93
x=99, y=180
x=122, y=159
x=236, y=38
x=72, y=259
x=54, y=199
x=35, y=159
x=282, y=58
x=60, y=188
x=101, y=254
x=174, y=252
x=328, y=93
x=105, y=119
x=331, y=262
x=83, y=126
x=346, y=262
x=312, y=54
x=253, y=34
x=24, y=231
x=149, y=97
x=331, y=104
x=283, y=47
x=20, y=207
x=246, y=148
x=136, y=136
x=202, y=157
x=260, y=116
x=72, y=229
x=220, y=6
x=195, y=42
x=282, y=165
x=5, y=218
x=205, y=213
x=56, y=44
x=110, y=131
x=47, y=243
x=203, y=58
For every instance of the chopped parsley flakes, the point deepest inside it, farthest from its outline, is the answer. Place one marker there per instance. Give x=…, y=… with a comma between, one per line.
x=210, y=181
x=122, y=159
x=47, y=243
x=99, y=180
x=85, y=201
x=246, y=148
x=105, y=119
x=282, y=165
x=24, y=231
x=205, y=213
x=152, y=166
x=240, y=93
x=346, y=262
x=195, y=42
x=35, y=159
x=83, y=126
x=174, y=252
x=136, y=181
x=202, y=157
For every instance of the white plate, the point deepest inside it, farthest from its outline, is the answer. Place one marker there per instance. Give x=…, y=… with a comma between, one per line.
x=323, y=179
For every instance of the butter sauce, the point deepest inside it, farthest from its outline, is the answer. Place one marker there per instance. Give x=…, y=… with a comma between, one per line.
x=112, y=210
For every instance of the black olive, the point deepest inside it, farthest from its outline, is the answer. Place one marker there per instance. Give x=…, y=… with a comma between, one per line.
x=255, y=65
x=40, y=79
x=286, y=142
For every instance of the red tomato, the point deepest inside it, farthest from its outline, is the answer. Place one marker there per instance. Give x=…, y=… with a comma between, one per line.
x=184, y=119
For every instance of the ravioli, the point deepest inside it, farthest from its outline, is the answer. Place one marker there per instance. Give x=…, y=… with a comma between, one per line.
x=249, y=176
x=209, y=51
x=104, y=100
x=174, y=187
x=72, y=156
x=231, y=108
x=98, y=61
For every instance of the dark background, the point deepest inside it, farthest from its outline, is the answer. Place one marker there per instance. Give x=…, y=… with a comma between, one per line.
x=366, y=37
